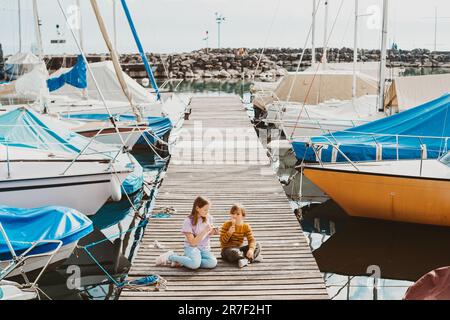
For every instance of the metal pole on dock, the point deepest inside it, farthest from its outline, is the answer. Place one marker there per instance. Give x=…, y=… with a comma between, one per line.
x=382, y=72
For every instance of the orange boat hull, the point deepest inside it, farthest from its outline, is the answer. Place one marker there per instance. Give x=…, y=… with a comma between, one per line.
x=377, y=196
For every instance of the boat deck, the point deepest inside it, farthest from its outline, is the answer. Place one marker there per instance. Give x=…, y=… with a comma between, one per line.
x=218, y=155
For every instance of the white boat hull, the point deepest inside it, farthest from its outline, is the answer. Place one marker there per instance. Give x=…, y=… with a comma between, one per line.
x=86, y=193
x=38, y=262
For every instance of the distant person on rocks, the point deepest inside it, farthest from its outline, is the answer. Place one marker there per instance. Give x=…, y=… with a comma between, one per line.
x=232, y=236
x=198, y=228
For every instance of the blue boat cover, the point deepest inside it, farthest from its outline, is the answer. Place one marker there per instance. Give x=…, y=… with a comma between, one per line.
x=134, y=180
x=158, y=125
x=431, y=121
x=24, y=128
x=24, y=226
x=76, y=77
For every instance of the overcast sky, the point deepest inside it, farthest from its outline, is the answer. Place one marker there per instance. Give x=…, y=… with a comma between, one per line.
x=180, y=25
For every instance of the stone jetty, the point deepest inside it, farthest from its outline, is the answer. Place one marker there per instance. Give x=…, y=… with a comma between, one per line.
x=250, y=63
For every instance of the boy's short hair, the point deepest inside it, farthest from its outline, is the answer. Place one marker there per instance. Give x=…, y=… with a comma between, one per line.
x=238, y=206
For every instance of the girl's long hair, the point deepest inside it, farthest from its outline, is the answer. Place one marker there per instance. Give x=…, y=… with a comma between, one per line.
x=199, y=202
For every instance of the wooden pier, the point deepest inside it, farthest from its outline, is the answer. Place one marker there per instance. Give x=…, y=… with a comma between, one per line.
x=219, y=156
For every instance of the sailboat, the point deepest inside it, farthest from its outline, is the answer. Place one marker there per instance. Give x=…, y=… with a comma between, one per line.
x=33, y=239
x=43, y=164
x=415, y=191
x=326, y=97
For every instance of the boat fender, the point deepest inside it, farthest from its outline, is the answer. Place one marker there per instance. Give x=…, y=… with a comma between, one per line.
x=116, y=189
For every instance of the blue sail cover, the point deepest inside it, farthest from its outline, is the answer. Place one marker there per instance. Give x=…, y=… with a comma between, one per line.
x=76, y=77
x=24, y=226
x=430, y=121
x=158, y=125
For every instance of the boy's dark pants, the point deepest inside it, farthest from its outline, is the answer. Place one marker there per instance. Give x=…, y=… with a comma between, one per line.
x=235, y=254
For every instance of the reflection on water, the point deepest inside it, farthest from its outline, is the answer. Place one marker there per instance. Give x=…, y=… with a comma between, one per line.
x=371, y=259
x=212, y=86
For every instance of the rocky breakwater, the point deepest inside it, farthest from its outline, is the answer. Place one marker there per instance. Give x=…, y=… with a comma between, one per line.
x=250, y=63
x=226, y=63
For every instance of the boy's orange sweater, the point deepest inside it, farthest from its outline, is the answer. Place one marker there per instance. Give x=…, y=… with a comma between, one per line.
x=237, y=238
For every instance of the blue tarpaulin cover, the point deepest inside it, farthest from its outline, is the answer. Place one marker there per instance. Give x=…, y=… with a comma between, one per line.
x=24, y=226
x=76, y=77
x=134, y=180
x=431, y=119
x=25, y=128
x=158, y=125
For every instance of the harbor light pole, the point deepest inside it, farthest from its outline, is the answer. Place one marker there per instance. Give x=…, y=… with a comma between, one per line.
x=219, y=19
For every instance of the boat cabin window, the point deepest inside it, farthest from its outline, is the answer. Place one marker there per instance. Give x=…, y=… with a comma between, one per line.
x=446, y=159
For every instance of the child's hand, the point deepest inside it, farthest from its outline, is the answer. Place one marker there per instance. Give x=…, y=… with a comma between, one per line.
x=208, y=229
x=231, y=230
x=250, y=254
x=214, y=231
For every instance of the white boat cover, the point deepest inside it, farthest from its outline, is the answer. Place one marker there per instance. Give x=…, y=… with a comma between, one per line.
x=109, y=85
x=23, y=58
x=28, y=86
x=406, y=92
x=312, y=88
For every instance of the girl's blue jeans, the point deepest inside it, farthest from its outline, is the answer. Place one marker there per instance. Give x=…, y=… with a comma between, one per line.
x=195, y=258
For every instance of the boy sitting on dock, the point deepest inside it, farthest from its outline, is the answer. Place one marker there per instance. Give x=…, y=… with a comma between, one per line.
x=232, y=236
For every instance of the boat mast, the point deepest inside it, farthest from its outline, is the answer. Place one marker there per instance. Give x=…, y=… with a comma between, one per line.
x=20, y=25
x=115, y=23
x=435, y=28
x=313, y=35
x=141, y=49
x=382, y=72
x=355, y=50
x=37, y=25
x=325, y=36
x=80, y=27
x=115, y=60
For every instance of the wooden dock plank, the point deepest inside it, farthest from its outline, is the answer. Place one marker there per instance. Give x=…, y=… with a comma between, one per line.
x=218, y=155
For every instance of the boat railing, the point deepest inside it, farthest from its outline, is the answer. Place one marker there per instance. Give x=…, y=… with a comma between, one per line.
x=18, y=261
x=331, y=140
x=336, y=147
x=165, y=84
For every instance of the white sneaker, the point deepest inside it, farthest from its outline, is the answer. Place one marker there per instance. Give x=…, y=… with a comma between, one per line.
x=242, y=263
x=162, y=260
x=259, y=258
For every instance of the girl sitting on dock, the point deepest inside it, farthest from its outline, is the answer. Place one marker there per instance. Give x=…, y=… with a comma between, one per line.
x=198, y=229
x=232, y=236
